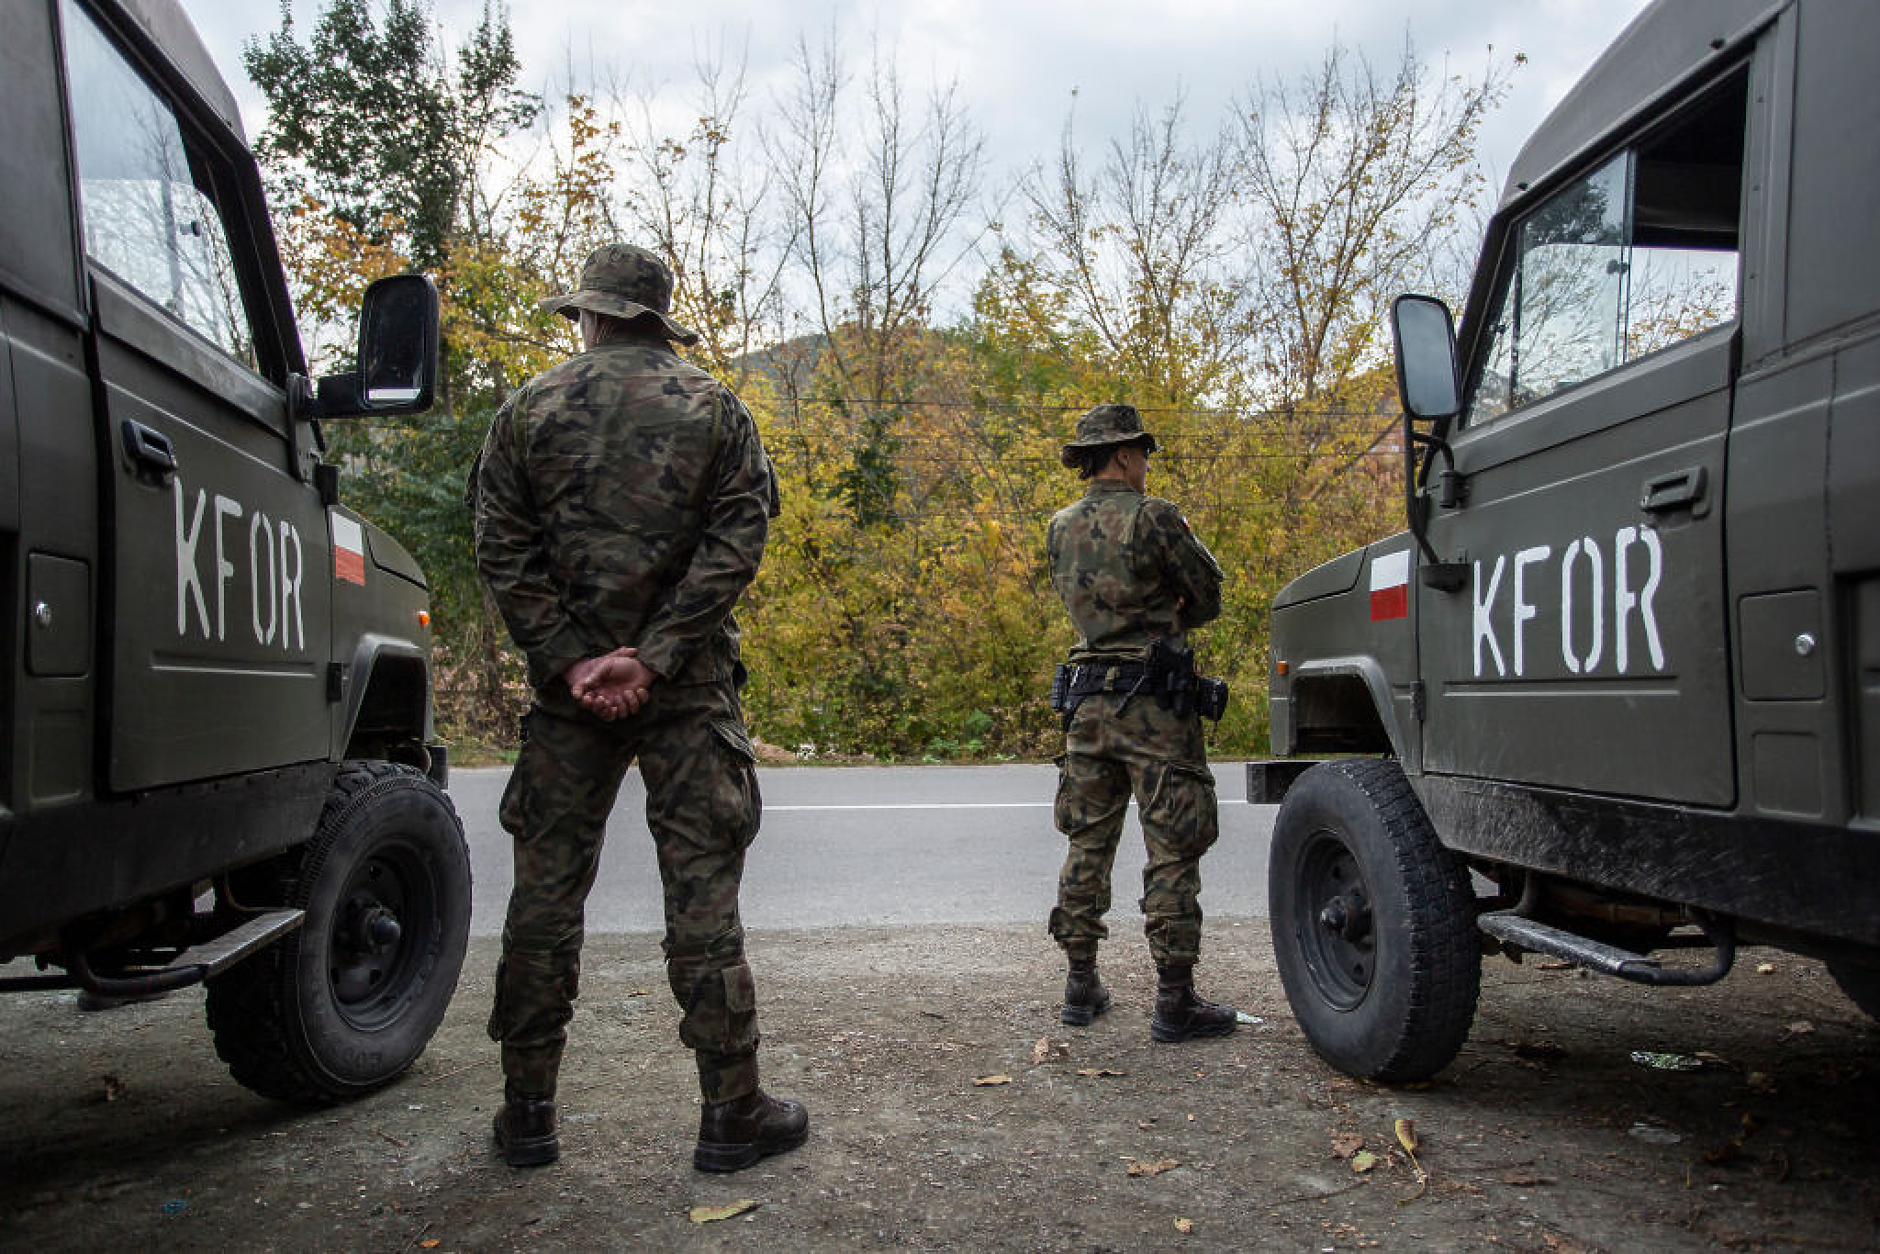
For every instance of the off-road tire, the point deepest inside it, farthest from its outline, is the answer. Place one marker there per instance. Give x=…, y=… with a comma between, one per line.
x=328, y=1013
x=1861, y=983
x=1395, y=1002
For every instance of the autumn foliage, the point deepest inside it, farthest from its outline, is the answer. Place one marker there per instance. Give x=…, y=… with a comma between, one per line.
x=913, y=363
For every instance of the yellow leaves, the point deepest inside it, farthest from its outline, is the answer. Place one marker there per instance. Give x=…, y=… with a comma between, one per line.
x=990, y=1081
x=1155, y=1168
x=715, y=1214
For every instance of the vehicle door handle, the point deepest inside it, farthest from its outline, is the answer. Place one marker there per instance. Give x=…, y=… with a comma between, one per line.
x=150, y=451
x=1679, y=490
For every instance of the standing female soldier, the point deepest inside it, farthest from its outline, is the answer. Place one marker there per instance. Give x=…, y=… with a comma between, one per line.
x=1134, y=580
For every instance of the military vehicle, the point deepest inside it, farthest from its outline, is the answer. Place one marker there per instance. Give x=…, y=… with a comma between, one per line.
x=1615, y=692
x=218, y=762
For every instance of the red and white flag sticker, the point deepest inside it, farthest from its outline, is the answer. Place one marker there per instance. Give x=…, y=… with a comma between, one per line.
x=349, y=549
x=1390, y=585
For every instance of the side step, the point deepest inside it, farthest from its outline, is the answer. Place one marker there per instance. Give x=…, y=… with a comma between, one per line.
x=215, y=956
x=1542, y=938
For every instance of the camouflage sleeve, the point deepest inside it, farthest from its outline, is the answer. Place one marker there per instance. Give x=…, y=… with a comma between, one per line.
x=738, y=510
x=1183, y=562
x=510, y=557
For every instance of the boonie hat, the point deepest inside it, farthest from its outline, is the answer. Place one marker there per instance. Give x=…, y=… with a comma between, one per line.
x=623, y=281
x=1105, y=425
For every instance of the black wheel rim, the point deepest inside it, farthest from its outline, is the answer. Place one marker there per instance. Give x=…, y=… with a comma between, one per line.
x=377, y=949
x=1335, y=923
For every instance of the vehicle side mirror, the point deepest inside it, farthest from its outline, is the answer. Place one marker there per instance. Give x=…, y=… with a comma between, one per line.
x=1426, y=358
x=396, y=371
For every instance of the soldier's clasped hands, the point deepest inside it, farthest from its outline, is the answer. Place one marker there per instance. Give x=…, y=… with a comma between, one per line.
x=613, y=685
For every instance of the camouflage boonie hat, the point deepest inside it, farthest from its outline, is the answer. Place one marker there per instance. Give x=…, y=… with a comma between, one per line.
x=1106, y=425
x=623, y=281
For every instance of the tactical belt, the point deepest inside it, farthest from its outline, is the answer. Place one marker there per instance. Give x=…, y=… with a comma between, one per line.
x=1171, y=683
x=1071, y=684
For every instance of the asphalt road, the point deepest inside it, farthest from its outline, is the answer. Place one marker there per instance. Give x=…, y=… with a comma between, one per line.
x=850, y=846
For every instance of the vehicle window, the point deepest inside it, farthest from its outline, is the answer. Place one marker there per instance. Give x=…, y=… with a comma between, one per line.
x=1636, y=256
x=150, y=217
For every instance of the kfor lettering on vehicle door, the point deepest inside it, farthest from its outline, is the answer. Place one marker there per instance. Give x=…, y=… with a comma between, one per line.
x=219, y=564
x=1587, y=644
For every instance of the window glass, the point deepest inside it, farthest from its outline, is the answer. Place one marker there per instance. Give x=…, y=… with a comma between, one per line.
x=1638, y=255
x=150, y=217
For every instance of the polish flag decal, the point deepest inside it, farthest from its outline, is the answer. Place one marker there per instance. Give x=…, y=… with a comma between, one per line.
x=1390, y=585
x=349, y=551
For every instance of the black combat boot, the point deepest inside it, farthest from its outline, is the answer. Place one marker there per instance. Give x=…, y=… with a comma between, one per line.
x=733, y=1135
x=525, y=1128
x=1182, y=1016
x=1084, y=995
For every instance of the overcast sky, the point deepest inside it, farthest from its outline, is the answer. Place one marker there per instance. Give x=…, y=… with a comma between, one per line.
x=1017, y=62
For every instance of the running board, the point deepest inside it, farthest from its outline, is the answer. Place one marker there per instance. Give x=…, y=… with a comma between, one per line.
x=215, y=956
x=1584, y=951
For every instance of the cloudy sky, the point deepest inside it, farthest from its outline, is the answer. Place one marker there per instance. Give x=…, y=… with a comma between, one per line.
x=1017, y=63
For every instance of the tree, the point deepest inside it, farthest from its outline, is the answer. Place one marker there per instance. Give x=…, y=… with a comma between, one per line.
x=371, y=122
x=1349, y=181
x=876, y=232
x=1139, y=251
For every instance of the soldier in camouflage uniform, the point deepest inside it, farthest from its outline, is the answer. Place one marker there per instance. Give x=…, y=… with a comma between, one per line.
x=622, y=500
x=1130, y=572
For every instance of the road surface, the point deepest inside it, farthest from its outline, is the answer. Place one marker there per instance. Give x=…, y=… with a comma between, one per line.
x=851, y=846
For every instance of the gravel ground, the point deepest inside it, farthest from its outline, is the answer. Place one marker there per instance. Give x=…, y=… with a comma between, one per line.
x=122, y=1130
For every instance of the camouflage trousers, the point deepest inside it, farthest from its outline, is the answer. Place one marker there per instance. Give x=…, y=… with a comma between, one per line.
x=1161, y=759
x=703, y=807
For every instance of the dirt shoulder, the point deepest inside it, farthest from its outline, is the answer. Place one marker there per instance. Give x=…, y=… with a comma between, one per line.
x=123, y=1130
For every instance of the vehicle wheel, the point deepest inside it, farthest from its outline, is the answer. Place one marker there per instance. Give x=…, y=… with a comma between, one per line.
x=1373, y=923
x=348, y=1001
x=1861, y=983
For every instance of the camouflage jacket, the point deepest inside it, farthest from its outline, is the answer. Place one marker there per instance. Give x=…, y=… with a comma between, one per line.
x=1128, y=569
x=622, y=498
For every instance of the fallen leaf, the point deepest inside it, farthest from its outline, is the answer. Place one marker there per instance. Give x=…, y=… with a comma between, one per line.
x=1407, y=1137
x=1155, y=1168
x=712, y=1214
x=429, y=1243
x=1363, y=1161
x=1345, y=1144
x=1765, y=968
x=1801, y=1027
x=1041, y=1051
x=1184, y=1225
x=1523, y=1179
x=640, y=992
x=1100, y=1071
x=987, y=1081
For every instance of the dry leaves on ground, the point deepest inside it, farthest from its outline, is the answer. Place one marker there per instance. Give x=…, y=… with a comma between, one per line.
x=1155, y=1168
x=712, y=1214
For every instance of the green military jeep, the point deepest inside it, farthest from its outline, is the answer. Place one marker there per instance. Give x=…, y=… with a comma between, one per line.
x=217, y=762
x=1620, y=678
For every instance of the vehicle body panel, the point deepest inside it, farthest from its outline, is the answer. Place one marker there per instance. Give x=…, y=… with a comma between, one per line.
x=1731, y=763
x=180, y=675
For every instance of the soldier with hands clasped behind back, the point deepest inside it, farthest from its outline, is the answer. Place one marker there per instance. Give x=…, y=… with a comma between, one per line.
x=622, y=503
